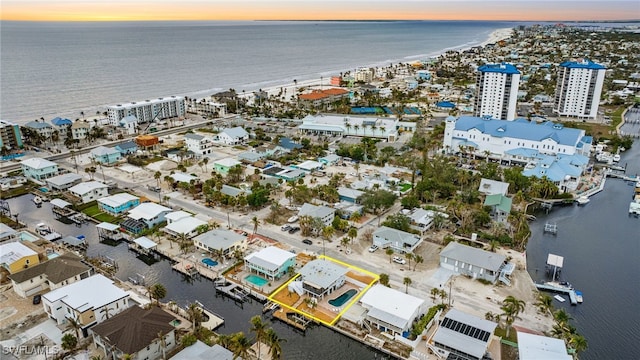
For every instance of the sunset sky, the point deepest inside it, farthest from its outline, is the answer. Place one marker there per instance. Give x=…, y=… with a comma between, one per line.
x=113, y=10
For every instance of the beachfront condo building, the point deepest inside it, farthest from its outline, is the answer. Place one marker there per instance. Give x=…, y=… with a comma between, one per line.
x=497, y=91
x=579, y=88
x=148, y=110
x=10, y=136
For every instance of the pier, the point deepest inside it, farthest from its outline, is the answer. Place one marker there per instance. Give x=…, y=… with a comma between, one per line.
x=211, y=320
x=292, y=318
x=559, y=289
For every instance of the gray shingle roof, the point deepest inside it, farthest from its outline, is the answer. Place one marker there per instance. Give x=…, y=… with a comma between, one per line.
x=476, y=257
x=57, y=269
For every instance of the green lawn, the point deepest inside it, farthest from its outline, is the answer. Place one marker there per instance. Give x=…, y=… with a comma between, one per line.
x=404, y=187
x=92, y=210
x=107, y=218
x=95, y=212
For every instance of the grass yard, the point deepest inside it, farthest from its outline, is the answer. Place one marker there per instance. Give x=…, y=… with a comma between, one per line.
x=95, y=212
x=404, y=187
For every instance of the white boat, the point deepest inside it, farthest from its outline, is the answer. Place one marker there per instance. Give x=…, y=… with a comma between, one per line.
x=37, y=200
x=579, y=296
x=582, y=200
x=616, y=158
x=292, y=219
x=559, y=298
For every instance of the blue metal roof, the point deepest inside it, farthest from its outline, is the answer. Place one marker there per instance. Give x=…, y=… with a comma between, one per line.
x=521, y=130
x=60, y=121
x=503, y=68
x=289, y=144
x=557, y=168
x=585, y=64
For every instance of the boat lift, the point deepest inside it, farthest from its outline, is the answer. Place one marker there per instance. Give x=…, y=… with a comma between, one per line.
x=556, y=262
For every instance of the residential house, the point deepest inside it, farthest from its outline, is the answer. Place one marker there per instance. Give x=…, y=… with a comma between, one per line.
x=202, y=351
x=61, y=124
x=147, y=142
x=39, y=169
x=288, y=145
x=492, y=187
x=145, y=216
x=233, y=191
x=321, y=277
x=89, y=191
x=324, y=213
x=50, y=275
x=42, y=128
x=176, y=215
x=89, y=301
x=15, y=257
x=349, y=195
x=398, y=240
x=11, y=182
x=129, y=124
x=271, y=262
x=105, y=155
x=127, y=148
x=223, y=166
x=222, y=240
x=391, y=311
x=421, y=219
x=250, y=157
x=198, y=144
x=117, y=204
x=463, y=336
x=232, y=136
x=187, y=227
x=80, y=130
x=7, y=233
x=288, y=174
x=500, y=207
x=308, y=166
x=329, y=160
x=472, y=262
x=142, y=334
x=183, y=178
x=64, y=181
x=534, y=347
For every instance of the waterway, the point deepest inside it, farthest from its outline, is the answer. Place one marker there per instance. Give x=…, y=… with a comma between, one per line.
x=318, y=342
x=600, y=243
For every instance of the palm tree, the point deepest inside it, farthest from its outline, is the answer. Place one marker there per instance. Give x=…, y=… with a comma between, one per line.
x=75, y=325
x=434, y=292
x=389, y=252
x=409, y=257
x=157, y=292
x=443, y=295
x=225, y=341
x=384, y=279
x=157, y=176
x=511, y=307
x=578, y=343
x=259, y=328
x=106, y=314
x=195, y=315
x=273, y=340
x=255, y=223
x=241, y=346
x=418, y=259
x=407, y=281
x=544, y=303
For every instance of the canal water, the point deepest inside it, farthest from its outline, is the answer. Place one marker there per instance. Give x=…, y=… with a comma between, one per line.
x=600, y=243
x=318, y=342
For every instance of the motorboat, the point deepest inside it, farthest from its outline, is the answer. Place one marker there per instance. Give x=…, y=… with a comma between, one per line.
x=616, y=157
x=292, y=219
x=37, y=200
x=559, y=298
x=582, y=200
x=43, y=229
x=579, y=296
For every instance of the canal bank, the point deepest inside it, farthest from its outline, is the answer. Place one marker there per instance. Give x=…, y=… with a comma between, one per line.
x=600, y=243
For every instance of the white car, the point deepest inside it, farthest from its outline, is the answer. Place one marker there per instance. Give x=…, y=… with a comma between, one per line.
x=399, y=260
x=373, y=248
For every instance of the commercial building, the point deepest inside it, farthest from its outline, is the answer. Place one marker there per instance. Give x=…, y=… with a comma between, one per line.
x=341, y=125
x=364, y=74
x=463, y=336
x=39, y=169
x=497, y=91
x=579, y=88
x=148, y=110
x=10, y=135
x=318, y=98
x=272, y=262
x=390, y=310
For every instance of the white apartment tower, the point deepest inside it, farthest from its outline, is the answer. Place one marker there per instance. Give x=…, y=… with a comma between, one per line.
x=146, y=111
x=579, y=88
x=497, y=91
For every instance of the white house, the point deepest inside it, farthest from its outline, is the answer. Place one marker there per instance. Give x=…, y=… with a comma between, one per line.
x=38, y=168
x=198, y=144
x=89, y=191
x=221, y=240
x=145, y=216
x=176, y=215
x=534, y=347
x=271, y=262
x=493, y=187
x=202, y=351
x=186, y=226
x=89, y=301
x=390, y=310
x=470, y=261
x=64, y=181
x=398, y=240
x=324, y=213
x=321, y=277
x=463, y=336
x=232, y=136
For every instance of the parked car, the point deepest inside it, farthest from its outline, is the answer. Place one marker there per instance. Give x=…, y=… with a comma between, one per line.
x=36, y=299
x=307, y=241
x=373, y=248
x=286, y=228
x=399, y=260
x=294, y=230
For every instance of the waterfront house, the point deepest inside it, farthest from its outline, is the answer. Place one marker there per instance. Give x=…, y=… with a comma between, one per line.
x=324, y=213
x=80, y=130
x=89, y=301
x=330, y=159
x=562, y=170
x=472, y=262
x=129, y=125
x=202, y=351
x=11, y=182
x=398, y=240
x=349, y=195
x=534, y=347
x=127, y=148
x=89, y=191
x=198, y=144
x=391, y=311
x=500, y=207
x=38, y=169
x=223, y=166
x=15, y=257
x=144, y=216
x=187, y=227
x=105, y=155
x=42, y=128
x=64, y=181
x=61, y=124
x=463, y=336
x=7, y=233
x=223, y=240
x=117, y=204
x=232, y=136
x=50, y=275
x=321, y=277
x=272, y=262
x=492, y=187
x=140, y=333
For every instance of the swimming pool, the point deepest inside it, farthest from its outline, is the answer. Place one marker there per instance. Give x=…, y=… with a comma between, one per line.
x=27, y=236
x=342, y=299
x=257, y=280
x=44, y=189
x=209, y=262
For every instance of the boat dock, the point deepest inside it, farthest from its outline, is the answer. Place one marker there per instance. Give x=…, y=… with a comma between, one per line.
x=292, y=318
x=559, y=289
x=213, y=321
x=231, y=290
x=551, y=228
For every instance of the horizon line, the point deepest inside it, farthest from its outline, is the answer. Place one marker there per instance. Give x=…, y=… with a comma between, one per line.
x=325, y=20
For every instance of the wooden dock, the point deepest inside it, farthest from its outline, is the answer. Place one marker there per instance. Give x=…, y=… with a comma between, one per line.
x=292, y=318
x=214, y=320
x=563, y=290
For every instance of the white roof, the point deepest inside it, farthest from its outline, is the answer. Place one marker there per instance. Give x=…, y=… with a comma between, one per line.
x=309, y=165
x=350, y=193
x=91, y=293
x=147, y=211
x=315, y=211
x=202, y=351
x=177, y=215
x=491, y=187
x=185, y=225
x=182, y=177
x=37, y=163
x=103, y=150
x=64, y=179
x=6, y=231
x=322, y=273
x=228, y=162
x=270, y=258
x=145, y=242
x=59, y=203
x=86, y=187
x=219, y=239
x=390, y=305
x=555, y=260
x=108, y=226
x=534, y=347
x=14, y=251
x=117, y=199
x=397, y=237
x=236, y=132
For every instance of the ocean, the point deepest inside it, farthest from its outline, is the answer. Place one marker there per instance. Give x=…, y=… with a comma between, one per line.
x=62, y=69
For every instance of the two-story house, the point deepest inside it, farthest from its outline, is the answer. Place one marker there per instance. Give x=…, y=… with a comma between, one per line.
x=89, y=191
x=39, y=169
x=198, y=144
